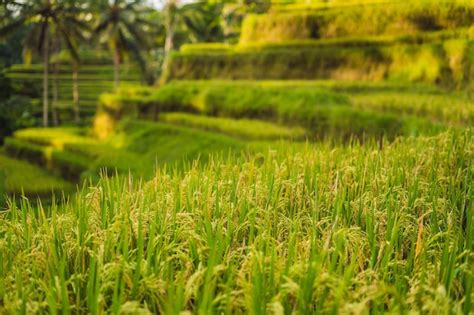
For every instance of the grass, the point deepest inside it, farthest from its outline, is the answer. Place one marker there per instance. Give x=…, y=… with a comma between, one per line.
x=327, y=229
x=241, y=128
x=20, y=177
x=439, y=61
x=444, y=107
x=384, y=18
x=55, y=137
x=208, y=214
x=318, y=107
x=136, y=147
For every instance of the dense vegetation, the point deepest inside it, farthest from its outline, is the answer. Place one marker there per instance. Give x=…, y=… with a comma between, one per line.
x=338, y=111
x=326, y=229
x=236, y=157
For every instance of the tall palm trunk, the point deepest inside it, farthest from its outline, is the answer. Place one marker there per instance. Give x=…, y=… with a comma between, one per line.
x=116, y=67
x=54, y=104
x=75, y=92
x=169, y=41
x=45, y=77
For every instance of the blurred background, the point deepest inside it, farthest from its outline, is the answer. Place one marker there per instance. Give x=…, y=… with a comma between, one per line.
x=129, y=85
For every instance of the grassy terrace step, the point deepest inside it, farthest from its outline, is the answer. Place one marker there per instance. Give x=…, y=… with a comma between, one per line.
x=92, y=81
x=88, y=106
x=84, y=104
x=70, y=153
x=85, y=69
x=249, y=129
x=57, y=161
x=21, y=177
x=357, y=225
x=45, y=147
x=446, y=108
x=324, y=113
x=445, y=62
x=68, y=77
x=344, y=42
x=390, y=18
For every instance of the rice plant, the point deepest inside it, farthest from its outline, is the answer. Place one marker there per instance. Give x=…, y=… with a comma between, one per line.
x=374, y=228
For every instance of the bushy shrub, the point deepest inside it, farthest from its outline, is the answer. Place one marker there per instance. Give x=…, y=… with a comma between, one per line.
x=15, y=111
x=2, y=187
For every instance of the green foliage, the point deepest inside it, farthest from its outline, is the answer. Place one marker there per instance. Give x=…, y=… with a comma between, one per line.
x=382, y=18
x=11, y=48
x=2, y=187
x=328, y=229
x=15, y=111
x=123, y=26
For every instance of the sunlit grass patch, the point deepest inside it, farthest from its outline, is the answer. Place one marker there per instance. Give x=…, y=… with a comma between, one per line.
x=241, y=128
x=55, y=137
x=442, y=107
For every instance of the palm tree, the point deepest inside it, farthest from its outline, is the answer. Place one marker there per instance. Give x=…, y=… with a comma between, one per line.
x=202, y=21
x=171, y=14
x=122, y=26
x=46, y=18
x=195, y=22
x=79, y=31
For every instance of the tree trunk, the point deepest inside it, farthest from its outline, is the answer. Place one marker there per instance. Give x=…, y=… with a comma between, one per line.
x=116, y=67
x=169, y=43
x=54, y=104
x=75, y=92
x=45, y=77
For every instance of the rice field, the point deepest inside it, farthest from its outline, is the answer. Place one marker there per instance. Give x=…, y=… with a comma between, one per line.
x=347, y=229
x=237, y=157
